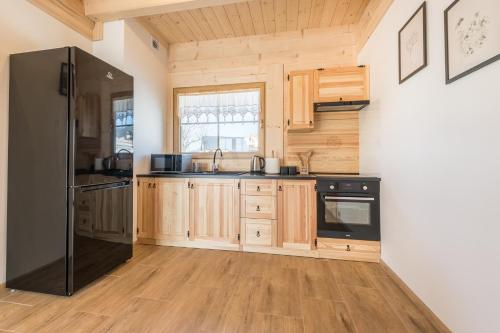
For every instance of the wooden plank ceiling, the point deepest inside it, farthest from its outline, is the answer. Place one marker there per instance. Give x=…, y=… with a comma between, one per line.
x=254, y=18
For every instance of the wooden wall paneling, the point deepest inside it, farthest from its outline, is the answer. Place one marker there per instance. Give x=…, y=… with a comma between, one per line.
x=202, y=23
x=223, y=20
x=280, y=11
x=268, y=15
x=246, y=18
x=327, y=13
x=316, y=13
x=353, y=10
x=234, y=19
x=193, y=25
x=257, y=17
x=159, y=34
x=334, y=142
x=360, y=11
x=292, y=15
x=340, y=12
x=176, y=19
x=71, y=13
x=213, y=22
x=304, y=13
x=172, y=29
x=369, y=20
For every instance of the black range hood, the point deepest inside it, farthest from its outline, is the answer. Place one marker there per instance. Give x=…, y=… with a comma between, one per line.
x=340, y=106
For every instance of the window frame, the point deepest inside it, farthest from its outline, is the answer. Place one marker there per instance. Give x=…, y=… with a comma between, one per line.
x=219, y=89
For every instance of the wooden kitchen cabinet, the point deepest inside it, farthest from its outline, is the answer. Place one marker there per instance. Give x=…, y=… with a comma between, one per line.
x=341, y=84
x=146, y=207
x=300, y=114
x=296, y=214
x=214, y=210
x=172, y=219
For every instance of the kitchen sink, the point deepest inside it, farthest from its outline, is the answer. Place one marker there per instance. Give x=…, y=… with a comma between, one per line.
x=218, y=173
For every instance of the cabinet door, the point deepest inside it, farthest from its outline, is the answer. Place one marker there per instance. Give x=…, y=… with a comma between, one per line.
x=214, y=210
x=300, y=108
x=297, y=213
x=111, y=212
x=341, y=84
x=173, y=208
x=146, y=207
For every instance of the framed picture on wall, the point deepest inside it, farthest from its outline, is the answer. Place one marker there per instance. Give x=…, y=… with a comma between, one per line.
x=472, y=36
x=413, y=44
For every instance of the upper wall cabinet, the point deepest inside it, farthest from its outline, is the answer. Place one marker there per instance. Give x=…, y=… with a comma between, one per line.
x=300, y=109
x=341, y=84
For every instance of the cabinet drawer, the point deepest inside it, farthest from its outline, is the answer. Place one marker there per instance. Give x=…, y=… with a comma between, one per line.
x=260, y=187
x=260, y=207
x=349, y=249
x=258, y=232
x=84, y=221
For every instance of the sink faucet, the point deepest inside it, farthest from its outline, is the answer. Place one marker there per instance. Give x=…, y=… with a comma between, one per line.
x=215, y=167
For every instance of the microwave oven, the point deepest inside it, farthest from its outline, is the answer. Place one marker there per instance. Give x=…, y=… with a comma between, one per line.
x=171, y=163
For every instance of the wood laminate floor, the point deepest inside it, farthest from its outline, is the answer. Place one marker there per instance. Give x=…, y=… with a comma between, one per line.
x=167, y=289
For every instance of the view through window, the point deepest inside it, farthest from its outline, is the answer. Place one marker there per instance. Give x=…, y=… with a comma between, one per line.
x=123, y=109
x=229, y=120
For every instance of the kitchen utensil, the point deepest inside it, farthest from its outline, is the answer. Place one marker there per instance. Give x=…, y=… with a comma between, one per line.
x=257, y=164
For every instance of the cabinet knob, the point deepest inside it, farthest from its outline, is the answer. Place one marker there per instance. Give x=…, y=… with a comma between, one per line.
x=258, y=233
x=258, y=188
x=348, y=248
x=310, y=122
x=258, y=208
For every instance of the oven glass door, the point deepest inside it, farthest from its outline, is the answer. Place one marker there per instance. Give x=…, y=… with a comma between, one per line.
x=348, y=217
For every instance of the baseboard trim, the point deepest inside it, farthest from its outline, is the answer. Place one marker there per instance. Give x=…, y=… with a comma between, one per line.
x=415, y=299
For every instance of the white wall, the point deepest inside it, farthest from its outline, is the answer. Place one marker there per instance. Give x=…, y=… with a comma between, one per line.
x=436, y=147
x=23, y=27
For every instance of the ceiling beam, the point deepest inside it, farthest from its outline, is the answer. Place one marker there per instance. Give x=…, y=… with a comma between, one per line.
x=71, y=13
x=108, y=10
x=369, y=21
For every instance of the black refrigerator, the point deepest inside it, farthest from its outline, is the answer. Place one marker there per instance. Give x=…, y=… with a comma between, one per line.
x=69, y=200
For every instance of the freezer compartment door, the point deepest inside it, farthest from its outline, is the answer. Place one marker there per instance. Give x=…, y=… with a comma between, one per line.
x=102, y=231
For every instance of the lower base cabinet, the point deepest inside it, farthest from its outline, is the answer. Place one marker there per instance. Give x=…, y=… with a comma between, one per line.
x=254, y=215
x=214, y=210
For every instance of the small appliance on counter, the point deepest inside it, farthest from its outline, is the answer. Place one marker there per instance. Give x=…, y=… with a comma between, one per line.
x=288, y=170
x=272, y=165
x=257, y=164
x=171, y=163
x=348, y=208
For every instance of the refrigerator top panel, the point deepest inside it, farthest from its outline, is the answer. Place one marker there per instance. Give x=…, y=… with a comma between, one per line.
x=102, y=104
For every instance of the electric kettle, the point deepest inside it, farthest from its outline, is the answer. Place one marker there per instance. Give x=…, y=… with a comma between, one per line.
x=257, y=164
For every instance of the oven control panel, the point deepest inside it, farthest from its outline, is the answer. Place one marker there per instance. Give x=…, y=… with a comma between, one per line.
x=348, y=186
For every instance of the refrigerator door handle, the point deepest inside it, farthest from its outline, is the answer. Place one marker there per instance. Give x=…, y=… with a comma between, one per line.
x=105, y=186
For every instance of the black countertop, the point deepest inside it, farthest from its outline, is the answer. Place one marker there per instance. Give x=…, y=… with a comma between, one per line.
x=247, y=175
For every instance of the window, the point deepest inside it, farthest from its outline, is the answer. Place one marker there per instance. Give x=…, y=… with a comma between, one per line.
x=123, y=109
x=229, y=117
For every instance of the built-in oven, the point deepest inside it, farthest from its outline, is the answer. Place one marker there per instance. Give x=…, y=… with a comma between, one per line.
x=348, y=209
